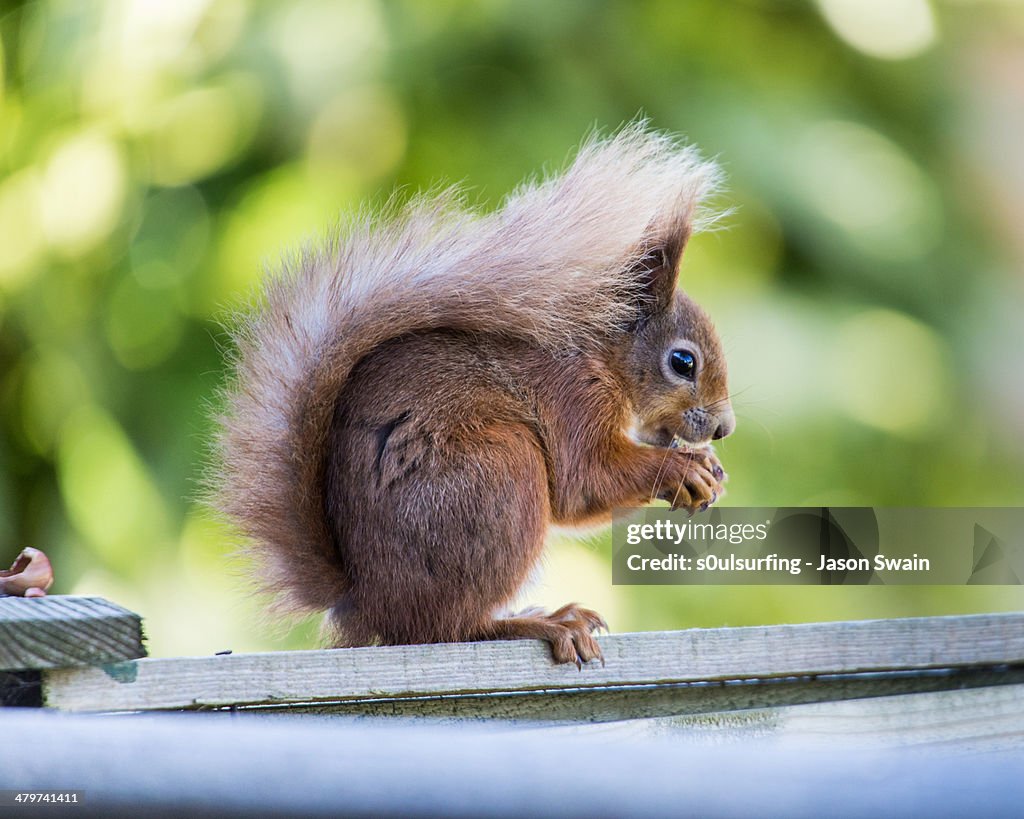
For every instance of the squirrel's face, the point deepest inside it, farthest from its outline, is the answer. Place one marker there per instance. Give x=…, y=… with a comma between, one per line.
x=679, y=371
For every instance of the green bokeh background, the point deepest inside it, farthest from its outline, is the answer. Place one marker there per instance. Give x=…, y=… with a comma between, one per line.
x=155, y=157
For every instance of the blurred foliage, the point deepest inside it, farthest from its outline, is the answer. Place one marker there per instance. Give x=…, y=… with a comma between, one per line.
x=154, y=156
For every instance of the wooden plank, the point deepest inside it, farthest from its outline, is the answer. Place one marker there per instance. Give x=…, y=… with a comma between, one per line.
x=973, y=720
x=493, y=667
x=61, y=631
x=195, y=764
x=646, y=702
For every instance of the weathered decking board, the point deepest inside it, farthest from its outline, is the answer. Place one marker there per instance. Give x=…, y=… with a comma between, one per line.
x=65, y=631
x=202, y=765
x=657, y=658
x=647, y=702
x=972, y=720
x=911, y=717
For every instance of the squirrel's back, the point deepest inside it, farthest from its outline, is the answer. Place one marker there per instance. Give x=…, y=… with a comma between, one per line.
x=549, y=267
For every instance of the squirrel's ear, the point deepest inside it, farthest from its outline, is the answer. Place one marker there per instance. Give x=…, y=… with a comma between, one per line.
x=658, y=269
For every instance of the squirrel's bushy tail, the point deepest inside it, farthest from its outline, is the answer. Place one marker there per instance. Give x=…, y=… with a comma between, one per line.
x=552, y=266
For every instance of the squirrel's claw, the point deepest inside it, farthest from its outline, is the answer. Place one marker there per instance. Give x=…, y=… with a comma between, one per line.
x=581, y=623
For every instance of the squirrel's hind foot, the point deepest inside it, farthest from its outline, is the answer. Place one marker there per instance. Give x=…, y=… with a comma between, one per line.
x=568, y=630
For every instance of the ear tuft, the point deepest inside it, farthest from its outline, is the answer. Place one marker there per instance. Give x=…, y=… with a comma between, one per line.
x=656, y=268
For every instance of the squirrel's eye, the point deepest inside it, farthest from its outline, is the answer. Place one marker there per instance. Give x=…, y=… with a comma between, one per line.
x=683, y=363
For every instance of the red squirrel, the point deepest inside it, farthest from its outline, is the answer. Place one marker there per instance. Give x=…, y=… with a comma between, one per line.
x=416, y=402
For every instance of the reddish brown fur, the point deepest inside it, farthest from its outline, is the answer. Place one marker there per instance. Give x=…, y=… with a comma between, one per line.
x=452, y=453
x=413, y=410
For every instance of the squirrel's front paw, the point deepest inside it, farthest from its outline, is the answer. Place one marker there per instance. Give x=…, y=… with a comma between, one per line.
x=694, y=479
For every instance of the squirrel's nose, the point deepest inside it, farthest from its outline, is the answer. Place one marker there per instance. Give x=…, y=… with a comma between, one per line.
x=726, y=425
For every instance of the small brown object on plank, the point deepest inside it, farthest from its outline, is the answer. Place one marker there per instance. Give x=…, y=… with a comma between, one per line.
x=29, y=576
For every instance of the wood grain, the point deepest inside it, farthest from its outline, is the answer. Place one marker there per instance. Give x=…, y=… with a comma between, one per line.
x=61, y=631
x=646, y=702
x=972, y=720
x=698, y=655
